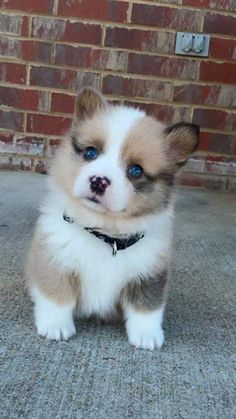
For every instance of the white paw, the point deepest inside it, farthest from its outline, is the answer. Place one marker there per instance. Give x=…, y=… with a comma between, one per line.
x=144, y=328
x=146, y=339
x=56, y=331
x=53, y=321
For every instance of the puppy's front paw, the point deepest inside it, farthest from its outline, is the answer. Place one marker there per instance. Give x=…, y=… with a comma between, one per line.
x=146, y=339
x=144, y=328
x=55, y=330
x=53, y=321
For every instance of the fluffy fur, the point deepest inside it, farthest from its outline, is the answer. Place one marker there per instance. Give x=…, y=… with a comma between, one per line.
x=73, y=273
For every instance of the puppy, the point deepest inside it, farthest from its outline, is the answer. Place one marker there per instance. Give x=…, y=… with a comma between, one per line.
x=103, y=240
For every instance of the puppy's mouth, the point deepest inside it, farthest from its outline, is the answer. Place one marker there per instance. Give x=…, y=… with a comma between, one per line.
x=93, y=199
x=93, y=202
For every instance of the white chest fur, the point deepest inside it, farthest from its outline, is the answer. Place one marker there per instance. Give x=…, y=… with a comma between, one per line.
x=102, y=275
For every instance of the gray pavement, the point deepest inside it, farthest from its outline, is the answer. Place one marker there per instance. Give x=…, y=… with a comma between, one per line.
x=97, y=374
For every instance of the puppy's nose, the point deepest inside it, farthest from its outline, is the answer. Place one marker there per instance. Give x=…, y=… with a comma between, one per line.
x=99, y=184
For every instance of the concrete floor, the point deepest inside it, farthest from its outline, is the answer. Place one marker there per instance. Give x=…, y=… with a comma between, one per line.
x=97, y=374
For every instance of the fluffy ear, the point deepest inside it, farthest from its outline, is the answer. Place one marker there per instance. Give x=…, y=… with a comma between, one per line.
x=87, y=102
x=182, y=139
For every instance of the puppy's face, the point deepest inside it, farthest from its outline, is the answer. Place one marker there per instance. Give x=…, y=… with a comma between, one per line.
x=120, y=161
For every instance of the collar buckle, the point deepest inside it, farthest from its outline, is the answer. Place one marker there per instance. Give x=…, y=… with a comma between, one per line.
x=67, y=218
x=114, y=248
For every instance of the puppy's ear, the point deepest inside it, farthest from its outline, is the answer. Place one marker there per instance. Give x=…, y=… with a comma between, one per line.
x=87, y=102
x=181, y=139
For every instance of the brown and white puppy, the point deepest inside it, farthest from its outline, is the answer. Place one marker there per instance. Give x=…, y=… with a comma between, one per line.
x=104, y=236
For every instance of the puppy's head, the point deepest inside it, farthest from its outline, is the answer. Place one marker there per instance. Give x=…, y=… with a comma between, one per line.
x=118, y=161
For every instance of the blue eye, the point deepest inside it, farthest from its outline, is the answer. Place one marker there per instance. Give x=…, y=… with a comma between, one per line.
x=135, y=171
x=90, y=153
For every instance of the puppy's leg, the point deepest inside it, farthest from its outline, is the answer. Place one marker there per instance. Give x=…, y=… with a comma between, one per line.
x=53, y=321
x=54, y=293
x=144, y=302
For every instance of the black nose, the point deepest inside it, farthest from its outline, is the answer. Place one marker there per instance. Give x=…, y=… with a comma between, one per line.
x=99, y=184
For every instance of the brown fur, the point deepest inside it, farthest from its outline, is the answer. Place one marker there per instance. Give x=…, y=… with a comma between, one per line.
x=181, y=140
x=144, y=146
x=90, y=132
x=146, y=294
x=60, y=287
x=87, y=102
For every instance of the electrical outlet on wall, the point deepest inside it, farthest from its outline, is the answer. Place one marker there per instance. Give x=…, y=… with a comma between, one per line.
x=188, y=43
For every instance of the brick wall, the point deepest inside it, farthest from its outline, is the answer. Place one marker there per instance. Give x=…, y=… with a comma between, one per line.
x=51, y=48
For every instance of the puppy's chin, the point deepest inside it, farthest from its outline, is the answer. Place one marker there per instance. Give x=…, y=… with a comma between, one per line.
x=97, y=206
x=93, y=205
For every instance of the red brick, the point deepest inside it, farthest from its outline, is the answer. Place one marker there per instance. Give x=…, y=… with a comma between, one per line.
x=6, y=138
x=165, y=113
x=15, y=163
x=90, y=9
x=65, y=30
x=137, y=39
x=201, y=94
x=6, y=142
x=162, y=66
x=215, y=119
x=36, y=51
x=49, y=125
x=167, y=17
x=211, y=164
x=44, y=101
x=221, y=24
x=218, y=72
x=19, y=98
x=216, y=159
x=151, y=89
x=212, y=4
x=203, y=181
x=62, y=103
x=217, y=143
x=14, y=24
x=51, y=147
x=233, y=149
x=36, y=6
x=10, y=24
x=196, y=3
x=225, y=49
x=48, y=28
x=26, y=50
x=62, y=79
x=193, y=180
x=11, y=120
x=171, y=1
x=25, y=26
x=220, y=165
x=22, y=144
x=13, y=73
x=222, y=4
x=90, y=58
x=10, y=47
x=32, y=146
x=195, y=164
x=83, y=33
x=50, y=77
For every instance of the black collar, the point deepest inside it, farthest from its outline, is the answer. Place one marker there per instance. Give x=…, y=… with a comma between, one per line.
x=115, y=242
